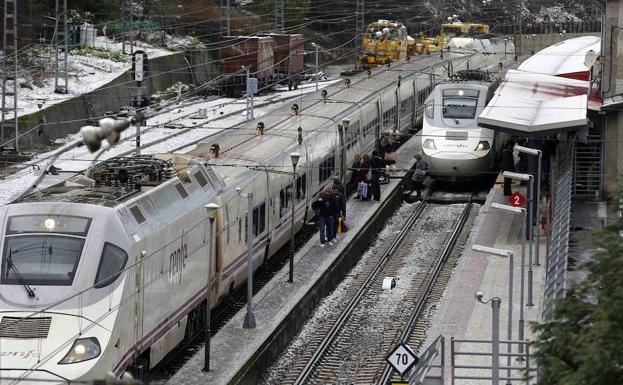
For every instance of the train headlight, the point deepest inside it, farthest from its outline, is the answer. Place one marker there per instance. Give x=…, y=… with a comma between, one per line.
x=429, y=144
x=83, y=349
x=482, y=146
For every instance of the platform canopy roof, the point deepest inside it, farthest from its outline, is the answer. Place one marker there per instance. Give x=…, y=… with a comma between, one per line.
x=547, y=93
x=565, y=59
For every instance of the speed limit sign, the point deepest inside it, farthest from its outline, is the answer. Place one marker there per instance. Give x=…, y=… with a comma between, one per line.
x=402, y=358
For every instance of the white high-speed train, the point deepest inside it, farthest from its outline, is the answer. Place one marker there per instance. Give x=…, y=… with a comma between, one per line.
x=108, y=270
x=453, y=145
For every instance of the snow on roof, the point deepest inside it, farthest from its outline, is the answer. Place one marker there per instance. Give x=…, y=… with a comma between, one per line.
x=565, y=59
x=529, y=103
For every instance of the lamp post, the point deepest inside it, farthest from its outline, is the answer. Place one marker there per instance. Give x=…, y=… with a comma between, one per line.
x=317, y=48
x=519, y=210
x=528, y=227
x=294, y=157
x=539, y=154
x=509, y=331
x=249, y=318
x=495, y=336
x=212, y=209
x=505, y=42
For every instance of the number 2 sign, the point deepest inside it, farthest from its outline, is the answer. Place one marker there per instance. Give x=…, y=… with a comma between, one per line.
x=517, y=199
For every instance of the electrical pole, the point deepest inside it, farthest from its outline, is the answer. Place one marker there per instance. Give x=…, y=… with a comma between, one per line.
x=225, y=18
x=60, y=45
x=279, y=16
x=359, y=25
x=9, y=67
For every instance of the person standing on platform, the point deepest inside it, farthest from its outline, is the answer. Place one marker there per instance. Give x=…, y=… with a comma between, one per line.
x=322, y=207
x=508, y=164
x=340, y=209
x=377, y=167
x=355, y=170
x=419, y=175
x=362, y=178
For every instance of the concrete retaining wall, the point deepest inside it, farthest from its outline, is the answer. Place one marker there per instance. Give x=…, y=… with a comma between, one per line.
x=67, y=117
x=538, y=42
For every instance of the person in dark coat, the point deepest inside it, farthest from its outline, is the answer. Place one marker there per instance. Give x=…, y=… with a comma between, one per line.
x=337, y=182
x=339, y=209
x=323, y=208
x=378, y=147
x=377, y=167
x=508, y=164
x=419, y=175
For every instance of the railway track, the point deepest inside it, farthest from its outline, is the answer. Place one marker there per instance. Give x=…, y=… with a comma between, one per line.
x=350, y=344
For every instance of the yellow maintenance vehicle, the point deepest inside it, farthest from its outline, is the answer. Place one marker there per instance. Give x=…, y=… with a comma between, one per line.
x=385, y=42
x=448, y=31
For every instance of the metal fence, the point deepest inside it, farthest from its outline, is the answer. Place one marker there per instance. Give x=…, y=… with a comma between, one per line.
x=560, y=212
x=472, y=362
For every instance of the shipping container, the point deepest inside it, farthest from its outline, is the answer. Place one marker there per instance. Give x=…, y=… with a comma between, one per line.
x=288, y=57
x=242, y=52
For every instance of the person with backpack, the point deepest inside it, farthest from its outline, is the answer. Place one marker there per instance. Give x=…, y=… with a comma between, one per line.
x=419, y=175
x=377, y=168
x=322, y=207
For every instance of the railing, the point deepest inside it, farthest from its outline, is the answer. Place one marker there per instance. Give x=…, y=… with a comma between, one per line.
x=472, y=362
x=558, y=244
x=420, y=371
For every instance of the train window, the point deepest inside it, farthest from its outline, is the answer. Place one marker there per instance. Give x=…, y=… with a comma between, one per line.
x=246, y=228
x=201, y=179
x=284, y=201
x=239, y=230
x=40, y=259
x=111, y=265
x=459, y=108
x=62, y=224
x=301, y=186
x=181, y=190
x=259, y=219
x=137, y=214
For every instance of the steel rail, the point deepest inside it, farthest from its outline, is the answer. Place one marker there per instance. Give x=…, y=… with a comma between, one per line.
x=430, y=283
x=337, y=327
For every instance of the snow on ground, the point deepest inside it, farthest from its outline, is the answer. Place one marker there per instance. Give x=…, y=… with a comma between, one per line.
x=78, y=159
x=88, y=69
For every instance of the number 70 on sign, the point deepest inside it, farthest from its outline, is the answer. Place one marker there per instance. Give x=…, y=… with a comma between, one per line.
x=402, y=358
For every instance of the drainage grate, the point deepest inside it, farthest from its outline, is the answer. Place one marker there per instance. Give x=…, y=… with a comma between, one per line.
x=15, y=327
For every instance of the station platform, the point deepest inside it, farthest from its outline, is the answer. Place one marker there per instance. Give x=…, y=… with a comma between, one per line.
x=238, y=355
x=460, y=316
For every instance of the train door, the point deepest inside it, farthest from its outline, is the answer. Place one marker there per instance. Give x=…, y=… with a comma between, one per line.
x=343, y=139
x=414, y=104
x=139, y=280
x=397, y=108
x=266, y=214
x=379, y=114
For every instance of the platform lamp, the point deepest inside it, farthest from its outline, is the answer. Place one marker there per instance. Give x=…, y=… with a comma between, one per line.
x=519, y=210
x=495, y=335
x=212, y=209
x=509, y=331
x=294, y=157
x=530, y=179
x=539, y=154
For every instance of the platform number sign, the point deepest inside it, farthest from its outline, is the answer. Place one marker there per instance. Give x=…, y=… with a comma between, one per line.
x=517, y=199
x=402, y=358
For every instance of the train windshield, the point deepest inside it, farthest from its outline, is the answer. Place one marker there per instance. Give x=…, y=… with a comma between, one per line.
x=43, y=250
x=460, y=104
